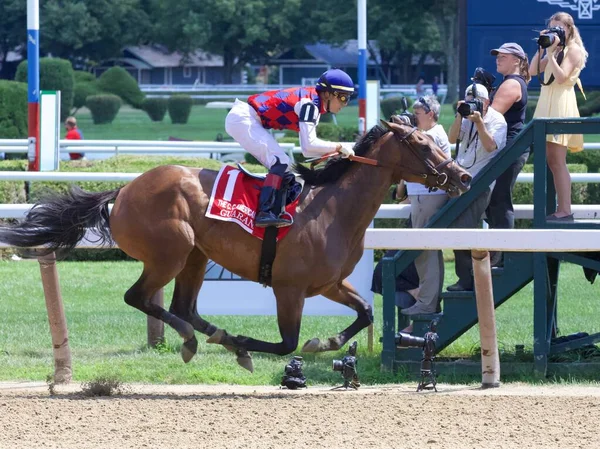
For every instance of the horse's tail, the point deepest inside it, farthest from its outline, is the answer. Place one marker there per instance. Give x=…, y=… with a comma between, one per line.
x=60, y=221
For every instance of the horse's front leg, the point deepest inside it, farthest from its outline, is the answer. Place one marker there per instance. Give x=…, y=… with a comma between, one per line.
x=290, y=302
x=343, y=293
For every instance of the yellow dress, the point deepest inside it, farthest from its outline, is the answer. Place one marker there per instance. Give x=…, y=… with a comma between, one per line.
x=558, y=101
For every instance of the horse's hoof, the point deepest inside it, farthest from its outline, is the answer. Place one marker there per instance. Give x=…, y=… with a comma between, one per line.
x=244, y=359
x=313, y=345
x=216, y=337
x=189, y=349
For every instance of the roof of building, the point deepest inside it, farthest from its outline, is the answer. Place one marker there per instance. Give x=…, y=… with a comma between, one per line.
x=159, y=56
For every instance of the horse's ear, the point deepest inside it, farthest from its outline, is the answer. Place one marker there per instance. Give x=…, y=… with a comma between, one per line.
x=387, y=125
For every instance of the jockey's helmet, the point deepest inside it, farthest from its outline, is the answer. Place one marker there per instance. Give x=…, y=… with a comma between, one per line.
x=335, y=81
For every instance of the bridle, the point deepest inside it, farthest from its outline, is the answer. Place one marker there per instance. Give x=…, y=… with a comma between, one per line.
x=434, y=179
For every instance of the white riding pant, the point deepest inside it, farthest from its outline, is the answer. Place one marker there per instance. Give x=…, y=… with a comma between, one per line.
x=244, y=125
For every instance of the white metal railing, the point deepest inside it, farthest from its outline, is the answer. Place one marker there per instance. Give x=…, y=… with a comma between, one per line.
x=159, y=146
x=125, y=177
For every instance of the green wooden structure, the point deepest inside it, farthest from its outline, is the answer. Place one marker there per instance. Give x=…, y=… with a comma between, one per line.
x=460, y=312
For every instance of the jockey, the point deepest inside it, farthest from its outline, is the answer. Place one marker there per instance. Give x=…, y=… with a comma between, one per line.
x=298, y=109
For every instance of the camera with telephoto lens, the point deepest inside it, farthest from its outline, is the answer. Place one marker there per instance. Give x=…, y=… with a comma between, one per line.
x=407, y=118
x=347, y=366
x=549, y=36
x=293, y=378
x=427, y=343
x=469, y=107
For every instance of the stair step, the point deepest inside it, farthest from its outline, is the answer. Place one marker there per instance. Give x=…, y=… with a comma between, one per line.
x=497, y=271
x=427, y=317
x=458, y=295
x=576, y=224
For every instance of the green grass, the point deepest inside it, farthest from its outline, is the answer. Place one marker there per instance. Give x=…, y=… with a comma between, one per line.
x=107, y=337
x=204, y=124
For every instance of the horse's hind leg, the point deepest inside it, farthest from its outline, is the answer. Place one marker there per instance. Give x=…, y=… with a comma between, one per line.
x=185, y=296
x=154, y=277
x=343, y=293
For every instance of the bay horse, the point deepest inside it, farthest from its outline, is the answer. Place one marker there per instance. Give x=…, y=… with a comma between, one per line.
x=159, y=219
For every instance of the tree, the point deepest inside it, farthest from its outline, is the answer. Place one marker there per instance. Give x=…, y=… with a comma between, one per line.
x=91, y=29
x=241, y=31
x=13, y=29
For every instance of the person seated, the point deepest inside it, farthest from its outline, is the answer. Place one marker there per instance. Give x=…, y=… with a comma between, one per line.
x=298, y=109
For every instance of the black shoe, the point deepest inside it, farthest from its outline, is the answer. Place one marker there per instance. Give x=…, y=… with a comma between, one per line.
x=266, y=219
x=458, y=288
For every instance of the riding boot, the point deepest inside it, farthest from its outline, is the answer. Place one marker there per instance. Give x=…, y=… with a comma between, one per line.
x=271, y=202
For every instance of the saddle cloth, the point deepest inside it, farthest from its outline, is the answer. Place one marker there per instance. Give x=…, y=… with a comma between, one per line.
x=235, y=198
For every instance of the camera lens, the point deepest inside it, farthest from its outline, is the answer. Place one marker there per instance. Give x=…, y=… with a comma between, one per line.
x=408, y=341
x=338, y=365
x=546, y=40
x=465, y=109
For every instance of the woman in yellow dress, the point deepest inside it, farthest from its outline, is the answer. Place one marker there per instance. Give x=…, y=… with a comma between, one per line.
x=557, y=100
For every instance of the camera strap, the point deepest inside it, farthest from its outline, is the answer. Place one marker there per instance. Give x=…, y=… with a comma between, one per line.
x=559, y=60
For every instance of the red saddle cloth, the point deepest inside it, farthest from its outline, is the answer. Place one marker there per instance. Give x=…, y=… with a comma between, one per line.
x=235, y=198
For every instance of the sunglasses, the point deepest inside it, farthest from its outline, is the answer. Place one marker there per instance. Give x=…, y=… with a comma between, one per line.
x=344, y=98
x=426, y=107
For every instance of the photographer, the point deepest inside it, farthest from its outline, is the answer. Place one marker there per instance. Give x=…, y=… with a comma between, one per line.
x=509, y=99
x=564, y=59
x=424, y=205
x=482, y=132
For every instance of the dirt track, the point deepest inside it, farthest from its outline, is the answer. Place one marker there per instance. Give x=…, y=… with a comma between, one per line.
x=217, y=417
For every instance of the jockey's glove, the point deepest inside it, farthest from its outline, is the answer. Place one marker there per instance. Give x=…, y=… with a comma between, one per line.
x=345, y=150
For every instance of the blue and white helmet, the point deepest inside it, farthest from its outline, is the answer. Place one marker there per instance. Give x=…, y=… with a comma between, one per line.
x=335, y=80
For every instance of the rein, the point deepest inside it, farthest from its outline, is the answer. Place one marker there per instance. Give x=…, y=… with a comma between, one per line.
x=435, y=171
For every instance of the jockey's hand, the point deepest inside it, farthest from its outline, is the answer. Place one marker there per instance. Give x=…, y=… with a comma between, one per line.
x=345, y=151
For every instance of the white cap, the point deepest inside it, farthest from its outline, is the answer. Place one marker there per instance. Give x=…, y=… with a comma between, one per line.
x=482, y=92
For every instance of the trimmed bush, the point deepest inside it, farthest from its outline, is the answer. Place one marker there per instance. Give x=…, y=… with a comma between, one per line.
x=13, y=110
x=55, y=74
x=156, y=108
x=83, y=90
x=118, y=81
x=393, y=105
x=104, y=107
x=82, y=76
x=13, y=192
x=334, y=133
x=180, y=107
x=523, y=193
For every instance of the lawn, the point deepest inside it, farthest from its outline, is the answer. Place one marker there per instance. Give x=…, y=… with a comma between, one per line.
x=108, y=337
x=204, y=124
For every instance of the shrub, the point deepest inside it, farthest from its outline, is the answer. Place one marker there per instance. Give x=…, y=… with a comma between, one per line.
x=13, y=110
x=156, y=108
x=590, y=106
x=13, y=192
x=118, y=81
x=393, y=105
x=82, y=91
x=82, y=76
x=523, y=192
x=55, y=74
x=180, y=107
x=104, y=108
x=334, y=133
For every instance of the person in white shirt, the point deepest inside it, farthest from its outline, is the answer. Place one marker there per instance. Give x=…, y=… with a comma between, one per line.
x=479, y=135
x=424, y=204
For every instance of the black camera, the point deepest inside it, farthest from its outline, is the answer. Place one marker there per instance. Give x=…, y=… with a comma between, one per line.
x=293, y=378
x=469, y=107
x=550, y=35
x=407, y=117
x=485, y=78
x=428, y=379
x=347, y=366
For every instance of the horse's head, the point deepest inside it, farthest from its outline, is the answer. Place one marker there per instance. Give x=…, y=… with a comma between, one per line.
x=417, y=158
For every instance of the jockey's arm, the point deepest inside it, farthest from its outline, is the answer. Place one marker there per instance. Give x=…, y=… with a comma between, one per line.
x=311, y=145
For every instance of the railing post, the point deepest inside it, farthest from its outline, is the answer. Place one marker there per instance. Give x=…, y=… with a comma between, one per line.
x=156, y=328
x=56, y=318
x=388, y=353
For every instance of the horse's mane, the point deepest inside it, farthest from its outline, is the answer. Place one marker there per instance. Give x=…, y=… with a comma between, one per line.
x=336, y=167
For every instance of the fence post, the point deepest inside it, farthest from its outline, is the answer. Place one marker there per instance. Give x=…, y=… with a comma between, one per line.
x=484, y=295
x=56, y=318
x=156, y=328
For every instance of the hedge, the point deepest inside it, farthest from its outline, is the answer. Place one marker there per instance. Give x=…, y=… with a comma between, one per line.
x=82, y=76
x=104, y=108
x=13, y=110
x=83, y=90
x=393, y=105
x=156, y=108
x=118, y=81
x=180, y=107
x=55, y=74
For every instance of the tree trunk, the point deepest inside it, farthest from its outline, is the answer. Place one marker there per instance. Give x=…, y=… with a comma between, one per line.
x=446, y=20
x=228, y=66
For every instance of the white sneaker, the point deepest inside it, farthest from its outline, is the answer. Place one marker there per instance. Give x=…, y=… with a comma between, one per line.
x=418, y=308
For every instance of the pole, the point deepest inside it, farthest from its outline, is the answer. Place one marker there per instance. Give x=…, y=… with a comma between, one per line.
x=362, y=66
x=484, y=294
x=56, y=318
x=33, y=83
